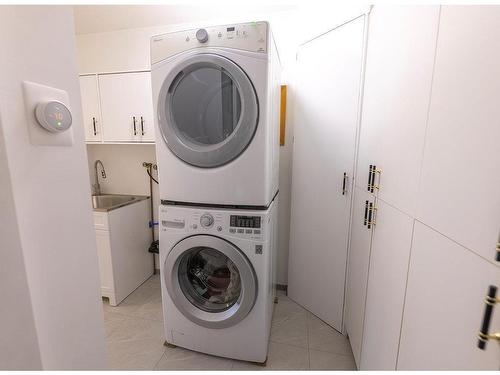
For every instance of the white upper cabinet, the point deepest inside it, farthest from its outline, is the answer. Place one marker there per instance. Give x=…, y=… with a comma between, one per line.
x=447, y=285
x=460, y=184
x=127, y=107
x=400, y=57
x=357, y=270
x=389, y=256
x=90, y=108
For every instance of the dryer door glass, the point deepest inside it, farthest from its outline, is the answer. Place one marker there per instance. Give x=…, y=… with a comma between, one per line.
x=206, y=105
x=209, y=279
x=207, y=110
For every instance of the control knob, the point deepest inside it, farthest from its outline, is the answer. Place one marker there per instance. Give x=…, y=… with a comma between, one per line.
x=202, y=35
x=206, y=220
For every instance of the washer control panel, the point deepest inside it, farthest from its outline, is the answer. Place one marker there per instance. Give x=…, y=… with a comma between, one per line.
x=252, y=36
x=216, y=222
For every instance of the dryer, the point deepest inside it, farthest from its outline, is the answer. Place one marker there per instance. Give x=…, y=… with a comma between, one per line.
x=216, y=101
x=217, y=277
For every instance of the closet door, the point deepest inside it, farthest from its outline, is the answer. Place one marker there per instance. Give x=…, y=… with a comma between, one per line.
x=400, y=57
x=357, y=270
x=447, y=285
x=90, y=108
x=460, y=185
x=388, y=272
x=125, y=98
x=325, y=118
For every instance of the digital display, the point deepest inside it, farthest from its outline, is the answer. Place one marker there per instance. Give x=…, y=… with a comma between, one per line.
x=245, y=221
x=230, y=29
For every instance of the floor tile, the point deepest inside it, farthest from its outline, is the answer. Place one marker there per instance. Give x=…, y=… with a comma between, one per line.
x=141, y=354
x=324, y=338
x=183, y=359
x=329, y=361
x=291, y=330
x=280, y=357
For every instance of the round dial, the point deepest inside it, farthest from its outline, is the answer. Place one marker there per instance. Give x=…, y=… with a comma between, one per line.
x=206, y=220
x=202, y=35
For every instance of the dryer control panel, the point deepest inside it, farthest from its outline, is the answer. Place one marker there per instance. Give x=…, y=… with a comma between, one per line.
x=252, y=36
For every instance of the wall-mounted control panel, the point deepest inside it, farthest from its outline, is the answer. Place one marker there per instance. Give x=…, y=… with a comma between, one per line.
x=252, y=36
x=48, y=115
x=216, y=222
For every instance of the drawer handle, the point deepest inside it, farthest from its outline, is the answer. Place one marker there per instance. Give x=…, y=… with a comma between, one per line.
x=366, y=214
x=135, y=129
x=93, y=124
x=489, y=303
x=370, y=178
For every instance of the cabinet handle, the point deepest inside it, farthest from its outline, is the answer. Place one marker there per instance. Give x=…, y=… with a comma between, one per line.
x=498, y=252
x=344, y=183
x=370, y=178
x=142, y=126
x=371, y=216
x=489, y=303
x=366, y=213
x=135, y=129
x=93, y=123
x=374, y=172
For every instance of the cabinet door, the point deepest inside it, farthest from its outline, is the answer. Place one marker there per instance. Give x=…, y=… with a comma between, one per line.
x=326, y=117
x=145, y=110
x=400, y=56
x=460, y=185
x=104, y=257
x=124, y=99
x=90, y=108
x=388, y=272
x=447, y=284
x=357, y=272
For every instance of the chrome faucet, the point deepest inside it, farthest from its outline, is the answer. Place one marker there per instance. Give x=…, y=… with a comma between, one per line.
x=97, y=187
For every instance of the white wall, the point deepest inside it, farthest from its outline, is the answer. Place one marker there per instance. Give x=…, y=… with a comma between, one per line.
x=50, y=199
x=124, y=171
x=128, y=50
x=18, y=339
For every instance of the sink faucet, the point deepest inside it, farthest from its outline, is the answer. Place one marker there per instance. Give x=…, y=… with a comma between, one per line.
x=97, y=187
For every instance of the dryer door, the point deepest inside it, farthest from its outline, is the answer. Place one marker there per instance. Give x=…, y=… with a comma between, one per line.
x=210, y=281
x=207, y=110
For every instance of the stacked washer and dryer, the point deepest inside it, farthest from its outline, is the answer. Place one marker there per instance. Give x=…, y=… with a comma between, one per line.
x=216, y=96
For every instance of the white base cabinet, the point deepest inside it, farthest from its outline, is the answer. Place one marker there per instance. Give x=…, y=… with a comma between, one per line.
x=447, y=284
x=123, y=238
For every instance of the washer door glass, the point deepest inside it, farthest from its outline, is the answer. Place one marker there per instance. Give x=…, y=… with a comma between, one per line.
x=209, y=279
x=207, y=110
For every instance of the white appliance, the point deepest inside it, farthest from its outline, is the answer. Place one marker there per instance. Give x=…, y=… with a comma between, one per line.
x=217, y=268
x=216, y=101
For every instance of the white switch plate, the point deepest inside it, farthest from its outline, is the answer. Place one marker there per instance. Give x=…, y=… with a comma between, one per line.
x=35, y=93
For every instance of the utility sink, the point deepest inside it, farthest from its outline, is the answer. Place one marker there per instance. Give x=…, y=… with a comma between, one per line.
x=108, y=202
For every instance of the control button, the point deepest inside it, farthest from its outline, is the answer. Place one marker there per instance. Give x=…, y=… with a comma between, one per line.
x=206, y=220
x=187, y=39
x=202, y=35
x=241, y=231
x=258, y=249
x=219, y=228
x=256, y=231
x=219, y=35
x=195, y=226
x=248, y=231
x=232, y=230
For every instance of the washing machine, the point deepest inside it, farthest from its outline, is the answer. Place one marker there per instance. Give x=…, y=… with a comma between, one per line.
x=216, y=93
x=217, y=278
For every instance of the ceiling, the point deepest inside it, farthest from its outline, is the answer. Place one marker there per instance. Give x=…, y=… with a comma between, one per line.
x=103, y=18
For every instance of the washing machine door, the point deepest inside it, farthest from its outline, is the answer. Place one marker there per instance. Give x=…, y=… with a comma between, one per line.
x=210, y=281
x=207, y=110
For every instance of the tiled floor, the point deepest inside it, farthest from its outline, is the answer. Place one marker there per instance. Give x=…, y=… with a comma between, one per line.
x=299, y=340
